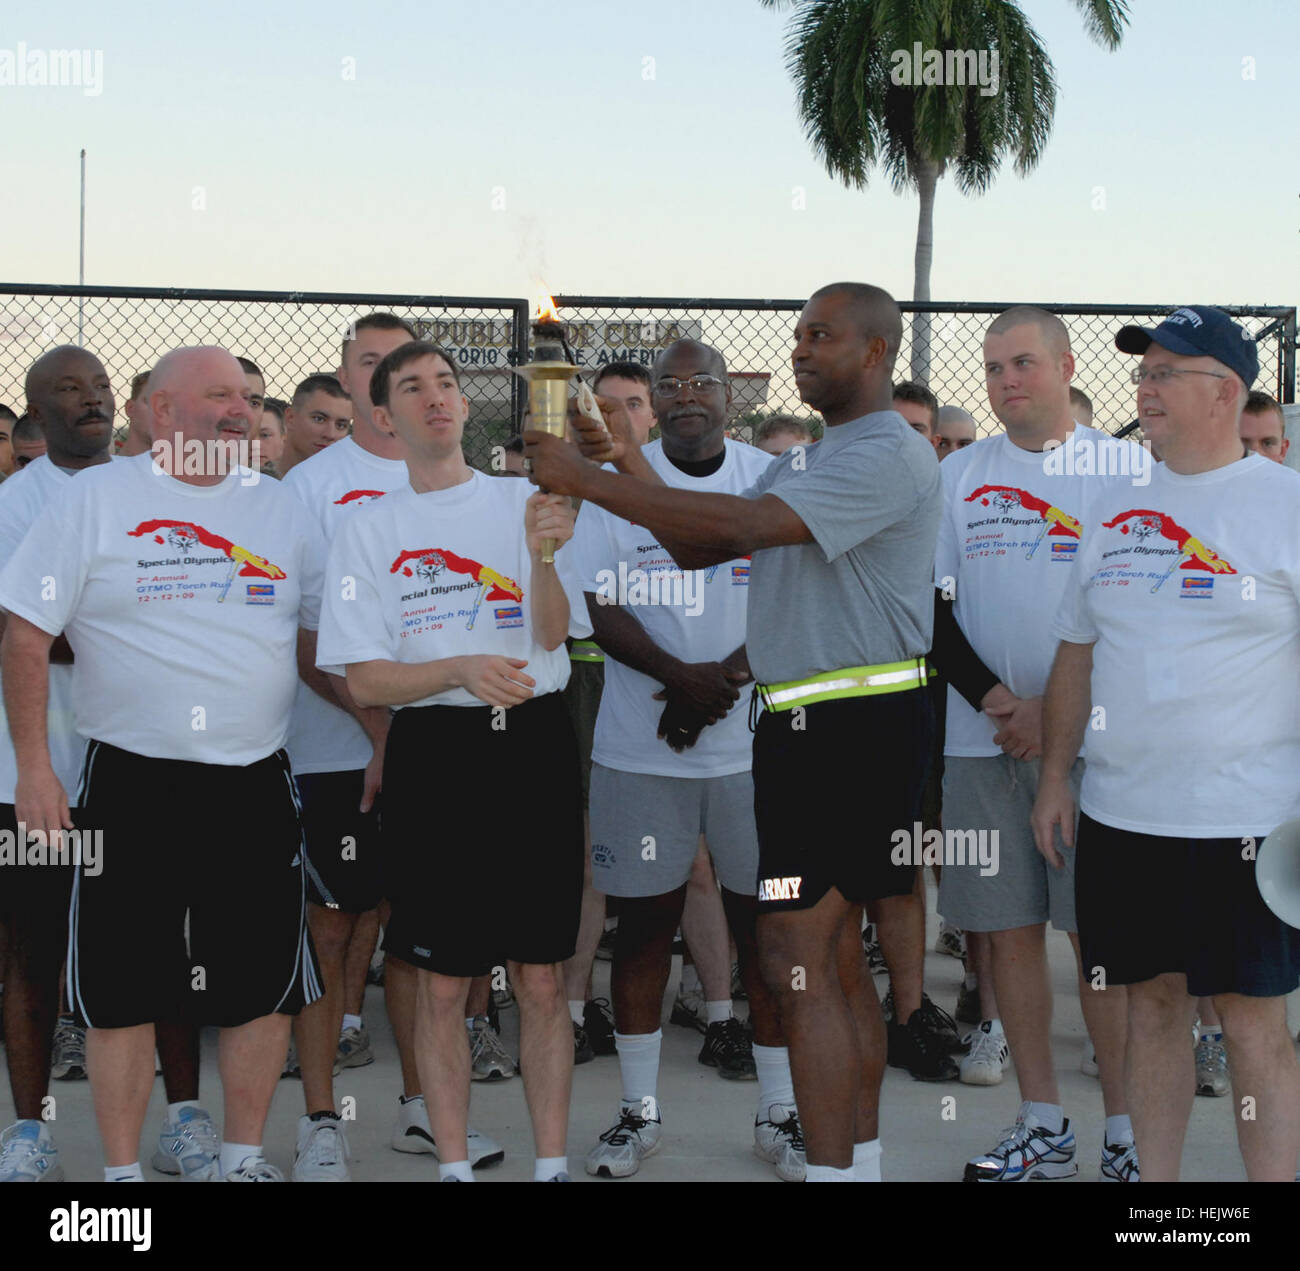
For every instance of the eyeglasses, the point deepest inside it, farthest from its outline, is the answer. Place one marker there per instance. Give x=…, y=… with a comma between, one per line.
x=670, y=387
x=1163, y=374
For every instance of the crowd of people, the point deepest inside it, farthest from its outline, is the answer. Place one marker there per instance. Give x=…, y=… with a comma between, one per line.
x=748, y=694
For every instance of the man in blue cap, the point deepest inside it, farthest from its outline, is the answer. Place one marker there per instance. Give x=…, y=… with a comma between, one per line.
x=1184, y=591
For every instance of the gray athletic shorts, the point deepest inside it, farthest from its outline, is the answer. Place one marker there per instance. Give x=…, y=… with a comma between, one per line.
x=645, y=831
x=997, y=793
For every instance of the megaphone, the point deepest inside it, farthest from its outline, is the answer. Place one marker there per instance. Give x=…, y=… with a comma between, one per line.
x=1277, y=872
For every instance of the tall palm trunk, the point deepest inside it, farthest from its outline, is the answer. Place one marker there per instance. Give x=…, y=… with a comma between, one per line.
x=927, y=178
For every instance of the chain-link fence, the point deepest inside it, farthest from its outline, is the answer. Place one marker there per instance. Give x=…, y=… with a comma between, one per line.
x=755, y=337
x=288, y=335
x=292, y=335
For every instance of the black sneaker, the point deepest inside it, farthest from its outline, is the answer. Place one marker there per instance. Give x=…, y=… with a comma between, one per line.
x=887, y=1007
x=738, y=993
x=915, y=1047
x=942, y=1027
x=605, y=948
x=968, y=1005
x=598, y=1023
x=876, y=963
x=728, y=1048
x=582, y=1051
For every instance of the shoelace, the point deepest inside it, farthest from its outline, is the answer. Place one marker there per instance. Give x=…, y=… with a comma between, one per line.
x=201, y=1134
x=259, y=1172
x=628, y=1125
x=487, y=1043
x=936, y=1018
x=985, y=1046
x=326, y=1145
x=790, y=1129
x=732, y=1039
x=604, y=1010
x=1126, y=1163
x=1211, y=1055
x=68, y=1041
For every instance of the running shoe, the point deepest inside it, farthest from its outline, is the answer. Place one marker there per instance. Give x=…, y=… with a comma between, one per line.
x=779, y=1141
x=1119, y=1163
x=625, y=1145
x=942, y=1026
x=968, y=1005
x=503, y=999
x=916, y=1047
x=68, y=1055
x=605, y=948
x=412, y=1134
x=375, y=971
x=871, y=947
x=728, y=1048
x=189, y=1146
x=487, y=1056
x=354, y=1050
x=28, y=1154
x=1026, y=1152
x=738, y=993
x=582, y=1051
x=987, y=1059
x=689, y=1012
x=951, y=940
x=292, y=1068
x=561, y=1177
x=321, y=1154
x=598, y=1021
x=254, y=1169
x=1212, y=1068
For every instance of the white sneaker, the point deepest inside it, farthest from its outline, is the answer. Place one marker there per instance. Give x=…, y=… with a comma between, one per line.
x=412, y=1134
x=623, y=1147
x=189, y=1146
x=779, y=1140
x=28, y=1154
x=1088, y=1064
x=255, y=1169
x=321, y=1155
x=987, y=1058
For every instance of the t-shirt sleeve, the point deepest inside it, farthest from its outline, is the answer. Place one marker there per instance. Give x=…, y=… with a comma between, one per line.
x=1073, y=623
x=352, y=625
x=852, y=495
x=44, y=577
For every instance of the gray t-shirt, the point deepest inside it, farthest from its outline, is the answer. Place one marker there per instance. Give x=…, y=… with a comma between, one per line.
x=862, y=592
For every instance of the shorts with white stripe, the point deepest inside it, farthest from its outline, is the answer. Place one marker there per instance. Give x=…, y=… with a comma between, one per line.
x=219, y=844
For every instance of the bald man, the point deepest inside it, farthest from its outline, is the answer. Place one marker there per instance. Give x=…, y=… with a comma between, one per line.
x=954, y=430
x=69, y=398
x=173, y=590
x=840, y=611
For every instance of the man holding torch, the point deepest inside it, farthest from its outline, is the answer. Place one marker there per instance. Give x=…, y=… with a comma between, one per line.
x=842, y=536
x=440, y=603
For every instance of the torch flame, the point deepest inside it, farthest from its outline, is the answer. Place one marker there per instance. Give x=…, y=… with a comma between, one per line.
x=546, y=311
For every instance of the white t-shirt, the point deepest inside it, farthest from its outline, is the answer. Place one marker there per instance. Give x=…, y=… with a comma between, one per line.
x=420, y=577
x=1010, y=537
x=1191, y=590
x=181, y=603
x=698, y=616
x=21, y=502
x=334, y=485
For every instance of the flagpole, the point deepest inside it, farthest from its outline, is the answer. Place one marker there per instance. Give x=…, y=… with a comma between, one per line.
x=81, y=272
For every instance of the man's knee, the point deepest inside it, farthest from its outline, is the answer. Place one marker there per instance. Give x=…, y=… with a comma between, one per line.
x=1252, y=1022
x=441, y=994
x=331, y=930
x=1159, y=1005
x=1019, y=941
x=536, y=984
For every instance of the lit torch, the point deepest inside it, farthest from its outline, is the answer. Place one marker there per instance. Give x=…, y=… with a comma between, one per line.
x=548, y=375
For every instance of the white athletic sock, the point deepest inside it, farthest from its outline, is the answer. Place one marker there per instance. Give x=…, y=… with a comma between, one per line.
x=690, y=978
x=1049, y=1116
x=350, y=1021
x=174, y=1109
x=718, y=1012
x=1119, y=1129
x=775, y=1085
x=866, y=1161
x=456, y=1169
x=575, y=1010
x=124, y=1173
x=233, y=1155
x=547, y=1167
x=638, y=1060
x=829, y=1174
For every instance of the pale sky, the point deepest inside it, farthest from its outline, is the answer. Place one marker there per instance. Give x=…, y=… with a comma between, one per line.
x=475, y=149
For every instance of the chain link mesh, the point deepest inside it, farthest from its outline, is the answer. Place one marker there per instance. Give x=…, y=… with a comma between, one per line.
x=291, y=336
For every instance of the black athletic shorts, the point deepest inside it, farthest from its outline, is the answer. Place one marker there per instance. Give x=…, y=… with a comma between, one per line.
x=931, y=814
x=1149, y=905
x=830, y=795
x=35, y=885
x=482, y=836
x=582, y=697
x=222, y=844
x=344, y=861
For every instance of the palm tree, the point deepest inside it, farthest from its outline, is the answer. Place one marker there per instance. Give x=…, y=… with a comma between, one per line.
x=854, y=63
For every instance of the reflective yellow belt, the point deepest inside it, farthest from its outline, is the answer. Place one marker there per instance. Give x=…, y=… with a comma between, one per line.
x=853, y=681
x=585, y=651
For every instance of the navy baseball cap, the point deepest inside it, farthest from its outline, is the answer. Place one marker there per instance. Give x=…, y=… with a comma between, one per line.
x=1198, y=331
